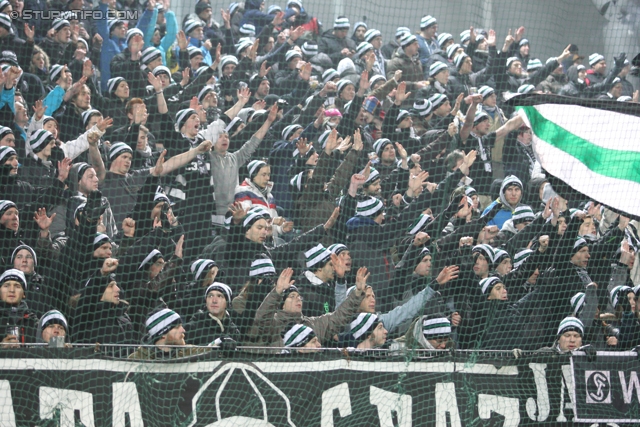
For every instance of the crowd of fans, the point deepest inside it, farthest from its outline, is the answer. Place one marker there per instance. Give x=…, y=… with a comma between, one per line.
x=265, y=182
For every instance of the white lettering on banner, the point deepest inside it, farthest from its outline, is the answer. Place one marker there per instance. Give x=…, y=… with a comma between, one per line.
x=509, y=407
x=541, y=404
x=567, y=385
x=628, y=389
x=7, y=416
x=67, y=401
x=388, y=402
x=335, y=398
x=126, y=400
x=446, y=402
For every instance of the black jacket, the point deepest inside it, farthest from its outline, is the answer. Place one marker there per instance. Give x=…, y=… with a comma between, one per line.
x=204, y=328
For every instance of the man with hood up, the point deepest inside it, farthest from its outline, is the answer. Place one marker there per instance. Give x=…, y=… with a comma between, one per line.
x=510, y=197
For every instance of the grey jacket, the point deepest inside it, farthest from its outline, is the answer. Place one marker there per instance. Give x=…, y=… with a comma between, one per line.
x=224, y=171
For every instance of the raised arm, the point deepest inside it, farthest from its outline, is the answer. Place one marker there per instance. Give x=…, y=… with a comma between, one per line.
x=510, y=126
x=163, y=167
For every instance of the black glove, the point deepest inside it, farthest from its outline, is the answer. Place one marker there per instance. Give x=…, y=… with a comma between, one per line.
x=94, y=208
x=619, y=60
x=226, y=343
x=589, y=350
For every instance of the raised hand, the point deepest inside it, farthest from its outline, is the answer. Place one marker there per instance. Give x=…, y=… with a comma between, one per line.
x=357, y=179
x=361, y=279
x=364, y=81
x=519, y=34
x=109, y=265
x=216, y=61
x=29, y=32
x=259, y=104
x=358, y=145
x=128, y=227
x=566, y=53
x=296, y=33
x=447, y=274
x=183, y=42
x=185, y=77
x=159, y=167
x=344, y=144
x=420, y=239
x=302, y=146
x=43, y=221
x=38, y=109
x=401, y=151
x=491, y=38
x=253, y=50
x=509, y=39
x=179, y=247
x=328, y=87
x=193, y=103
x=226, y=17
x=278, y=19
x=273, y=113
x=204, y=147
x=401, y=93
x=238, y=212
x=243, y=95
x=332, y=142
x=263, y=69
x=64, y=167
x=104, y=124
x=416, y=182
x=284, y=281
x=155, y=82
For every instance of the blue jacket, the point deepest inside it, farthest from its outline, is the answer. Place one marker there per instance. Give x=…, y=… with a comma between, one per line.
x=53, y=100
x=501, y=217
x=111, y=46
x=426, y=49
x=253, y=15
x=8, y=98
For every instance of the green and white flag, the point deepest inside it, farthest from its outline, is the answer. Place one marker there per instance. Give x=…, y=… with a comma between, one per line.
x=595, y=151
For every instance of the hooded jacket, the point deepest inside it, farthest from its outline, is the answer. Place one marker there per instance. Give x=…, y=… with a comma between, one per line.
x=507, y=210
